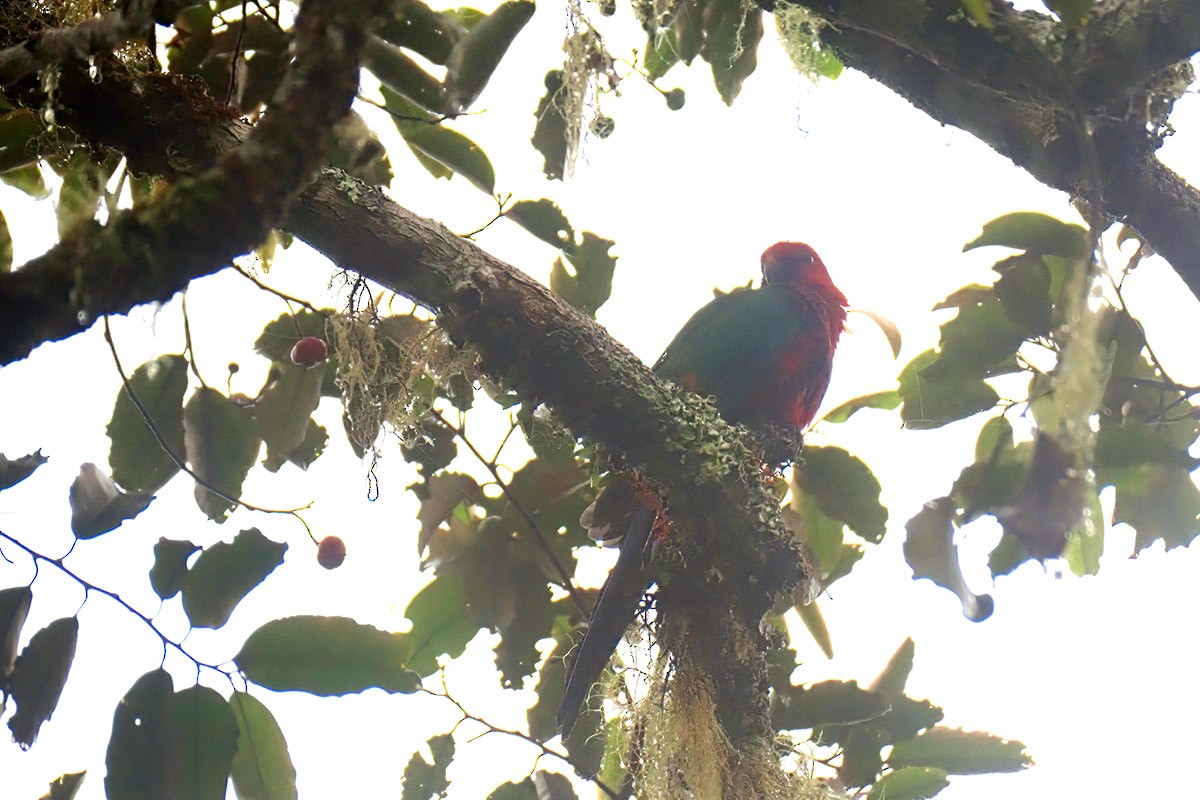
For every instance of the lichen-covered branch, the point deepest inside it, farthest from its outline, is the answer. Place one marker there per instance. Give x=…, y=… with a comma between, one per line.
x=199, y=224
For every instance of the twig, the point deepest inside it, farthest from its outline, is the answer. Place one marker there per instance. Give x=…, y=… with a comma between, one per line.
x=535, y=529
x=88, y=586
x=492, y=728
x=500, y=212
x=179, y=462
x=282, y=295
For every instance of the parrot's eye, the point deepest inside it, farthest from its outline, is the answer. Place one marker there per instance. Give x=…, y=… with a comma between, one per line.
x=804, y=259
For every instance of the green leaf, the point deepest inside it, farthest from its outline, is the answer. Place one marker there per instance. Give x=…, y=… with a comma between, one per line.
x=1071, y=12
x=170, y=566
x=98, y=506
x=207, y=741
x=138, y=461
x=14, y=608
x=65, y=786
x=844, y=488
x=143, y=758
x=423, y=780
x=27, y=179
x=980, y=337
x=909, y=783
x=890, y=682
x=280, y=335
x=732, y=31
x=1023, y=290
x=39, y=676
x=930, y=550
x=327, y=656
x=433, y=142
x=1159, y=501
x=221, y=447
x=225, y=573
x=441, y=622
x=550, y=136
x=979, y=11
x=19, y=130
x=814, y=622
x=541, y=717
x=1034, y=233
x=262, y=767
x=931, y=404
x=402, y=75
x=282, y=413
x=960, y=752
x=545, y=220
x=662, y=53
x=587, y=283
x=16, y=470
x=415, y=26
x=311, y=448
x=825, y=703
x=1085, y=544
x=476, y=55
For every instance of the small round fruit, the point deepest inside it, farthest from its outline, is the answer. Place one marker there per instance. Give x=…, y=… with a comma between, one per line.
x=675, y=99
x=331, y=552
x=309, y=351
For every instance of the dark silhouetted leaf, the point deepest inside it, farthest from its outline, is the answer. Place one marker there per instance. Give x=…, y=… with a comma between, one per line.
x=221, y=448
x=423, y=780
x=18, y=469
x=262, y=767
x=37, y=679
x=1034, y=233
x=327, y=656
x=930, y=551
x=814, y=622
x=225, y=573
x=1023, y=290
x=525, y=790
x=138, y=462
x=402, y=75
x=909, y=783
x=550, y=131
x=413, y=25
x=98, y=506
x=14, y=608
x=890, y=683
x=282, y=413
x=544, y=219
x=960, y=752
x=932, y=404
x=477, y=54
x=541, y=717
x=170, y=566
x=6, y=246
x=19, y=130
x=890, y=330
x=587, y=283
x=311, y=448
x=27, y=179
x=65, y=787
x=143, y=756
x=844, y=488
x=207, y=741
x=732, y=32
x=825, y=703
x=974, y=343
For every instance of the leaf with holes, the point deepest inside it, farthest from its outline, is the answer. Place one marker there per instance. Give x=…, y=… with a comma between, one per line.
x=143, y=758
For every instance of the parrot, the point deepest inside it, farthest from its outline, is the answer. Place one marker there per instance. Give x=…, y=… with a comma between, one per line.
x=765, y=357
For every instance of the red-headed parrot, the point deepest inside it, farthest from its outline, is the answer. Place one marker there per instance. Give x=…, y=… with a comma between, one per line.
x=764, y=355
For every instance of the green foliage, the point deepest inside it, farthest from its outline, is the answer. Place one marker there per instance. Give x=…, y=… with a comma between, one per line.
x=98, y=506
x=423, y=780
x=222, y=445
x=139, y=463
x=262, y=767
x=38, y=677
x=13, y=471
x=225, y=573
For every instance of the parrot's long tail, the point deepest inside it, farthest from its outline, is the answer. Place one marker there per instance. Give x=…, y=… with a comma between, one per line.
x=616, y=608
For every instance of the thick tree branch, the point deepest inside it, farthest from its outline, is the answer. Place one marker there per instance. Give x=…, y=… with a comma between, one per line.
x=1107, y=159
x=201, y=223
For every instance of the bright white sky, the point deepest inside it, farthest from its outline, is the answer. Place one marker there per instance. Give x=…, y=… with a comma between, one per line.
x=1094, y=674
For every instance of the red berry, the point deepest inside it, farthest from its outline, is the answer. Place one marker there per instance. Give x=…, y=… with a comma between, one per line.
x=331, y=552
x=309, y=351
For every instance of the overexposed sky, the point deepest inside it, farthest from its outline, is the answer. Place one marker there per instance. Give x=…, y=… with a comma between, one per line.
x=1094, y=674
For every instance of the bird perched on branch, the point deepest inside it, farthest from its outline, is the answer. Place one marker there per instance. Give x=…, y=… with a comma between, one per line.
x=765, y=356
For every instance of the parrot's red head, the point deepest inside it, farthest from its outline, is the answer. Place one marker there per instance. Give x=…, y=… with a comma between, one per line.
x=798, y=266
